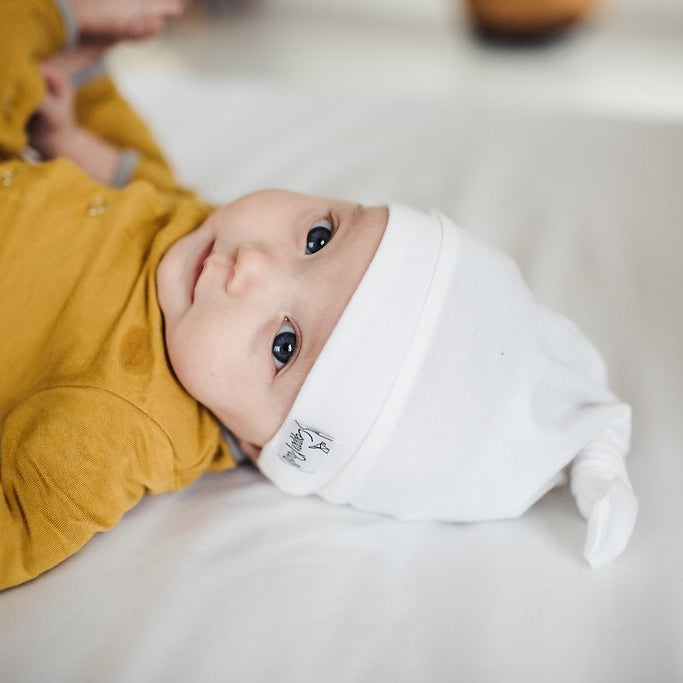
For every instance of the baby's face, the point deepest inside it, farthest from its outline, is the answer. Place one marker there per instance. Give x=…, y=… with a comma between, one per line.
x=251, y=296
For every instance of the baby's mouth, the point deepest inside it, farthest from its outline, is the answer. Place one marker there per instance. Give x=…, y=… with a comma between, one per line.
x=199, y=266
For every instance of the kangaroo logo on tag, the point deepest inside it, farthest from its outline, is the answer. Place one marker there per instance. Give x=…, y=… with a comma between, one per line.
x=306, y=448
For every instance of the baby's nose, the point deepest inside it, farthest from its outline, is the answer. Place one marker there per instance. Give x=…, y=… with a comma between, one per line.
x=254, y=267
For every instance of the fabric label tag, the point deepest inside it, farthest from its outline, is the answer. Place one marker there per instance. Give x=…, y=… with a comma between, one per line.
x=306, y=448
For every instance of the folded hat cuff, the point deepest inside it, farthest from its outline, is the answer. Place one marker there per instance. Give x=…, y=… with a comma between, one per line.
x=351, y=379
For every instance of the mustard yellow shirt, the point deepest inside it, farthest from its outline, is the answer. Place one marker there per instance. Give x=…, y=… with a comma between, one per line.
x=91, y=414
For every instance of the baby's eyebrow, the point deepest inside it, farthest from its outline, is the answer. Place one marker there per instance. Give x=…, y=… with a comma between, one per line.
x=357, y=213
x=307, y=352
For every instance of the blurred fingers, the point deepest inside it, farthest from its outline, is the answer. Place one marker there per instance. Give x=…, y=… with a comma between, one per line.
x=55, y=78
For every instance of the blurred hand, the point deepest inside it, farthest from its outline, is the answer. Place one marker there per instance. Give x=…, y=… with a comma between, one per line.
x=54, y=131
x=113, y=20
x=54, y=124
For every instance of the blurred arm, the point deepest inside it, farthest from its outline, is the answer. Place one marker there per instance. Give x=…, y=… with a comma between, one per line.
x=73, y=461
x=31, y=31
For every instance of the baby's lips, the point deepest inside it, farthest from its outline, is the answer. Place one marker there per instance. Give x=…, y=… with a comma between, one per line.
x=199, y=266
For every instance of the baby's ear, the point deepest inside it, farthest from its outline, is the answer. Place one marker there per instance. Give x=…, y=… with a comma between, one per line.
x=250, y=449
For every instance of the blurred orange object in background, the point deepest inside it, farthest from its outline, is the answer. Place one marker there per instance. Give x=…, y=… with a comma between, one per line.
x=521, y=20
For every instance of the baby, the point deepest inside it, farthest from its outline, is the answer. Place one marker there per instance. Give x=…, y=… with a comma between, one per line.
x=376, y=356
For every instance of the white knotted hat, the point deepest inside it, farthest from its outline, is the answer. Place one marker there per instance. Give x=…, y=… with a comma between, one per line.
x=447, y=392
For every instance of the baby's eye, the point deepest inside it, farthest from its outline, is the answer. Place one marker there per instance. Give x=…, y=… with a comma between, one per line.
x=284, y=344
x=318, y=236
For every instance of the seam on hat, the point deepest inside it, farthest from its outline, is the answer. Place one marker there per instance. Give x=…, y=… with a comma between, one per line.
x=386, y=420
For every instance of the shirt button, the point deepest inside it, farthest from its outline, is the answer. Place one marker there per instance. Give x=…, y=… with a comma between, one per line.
x=97, y=206
x=7, y=177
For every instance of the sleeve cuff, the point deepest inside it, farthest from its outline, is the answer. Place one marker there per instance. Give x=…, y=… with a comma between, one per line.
x=70, y=23
x=238, y=455
x=128, y=162
x=90, y=73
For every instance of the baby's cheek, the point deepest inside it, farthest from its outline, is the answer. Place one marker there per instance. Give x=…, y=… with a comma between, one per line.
x=184, y=357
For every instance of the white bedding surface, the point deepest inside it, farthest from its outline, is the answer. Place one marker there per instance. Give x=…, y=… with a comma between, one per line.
x=233, y=580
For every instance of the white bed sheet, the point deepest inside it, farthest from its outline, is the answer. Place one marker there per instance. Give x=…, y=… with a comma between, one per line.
x=233, y=580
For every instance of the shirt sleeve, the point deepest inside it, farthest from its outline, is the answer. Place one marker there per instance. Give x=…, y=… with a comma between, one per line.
x=30, y=32
x=102, y=109
x=73, y=460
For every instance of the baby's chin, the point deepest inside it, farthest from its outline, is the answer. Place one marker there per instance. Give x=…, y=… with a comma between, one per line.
x=255, y=427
